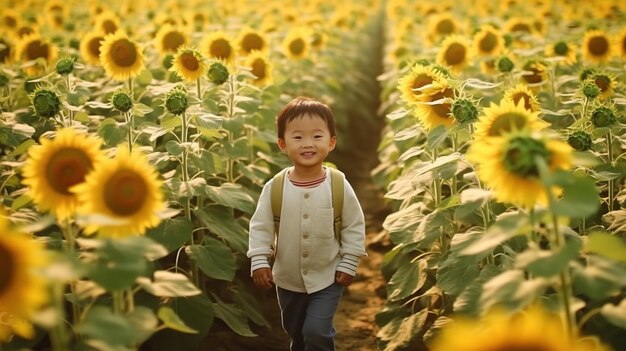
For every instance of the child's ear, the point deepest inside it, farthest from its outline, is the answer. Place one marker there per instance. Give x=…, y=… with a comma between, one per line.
x=333, y=143
x=281, y=144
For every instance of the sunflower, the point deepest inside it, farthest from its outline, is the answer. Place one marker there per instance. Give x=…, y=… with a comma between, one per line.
x=261, y=68
x=189, y=64
x=606, y=83
x=521, y=92
x=535, y=73
x=217, y=45
x=26, y=29
x=488, y=41
x=252, y=40
x=90, y=47
x=565, y=52
x=22, y=290
x=34, y=48
x=434, y=108
x=10, y=19
x=506, y=117
x=418, y=78
x=454, y=53
x=440, y=26
x=121, y=57
x=121, y=196
x=620, y=44
x=56, y=165
x=508, y=165
x=596, y=46
x=531, y=329
x=296, y=44
x=107, y=22
x=170, y=38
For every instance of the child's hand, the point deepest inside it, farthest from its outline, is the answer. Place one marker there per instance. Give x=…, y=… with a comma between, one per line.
x=343, y=279
x=262, y=278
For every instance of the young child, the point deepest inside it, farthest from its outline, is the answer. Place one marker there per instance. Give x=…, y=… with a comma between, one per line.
x=311, y=267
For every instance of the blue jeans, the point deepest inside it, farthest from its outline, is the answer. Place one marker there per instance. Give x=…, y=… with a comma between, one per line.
x=308, y=318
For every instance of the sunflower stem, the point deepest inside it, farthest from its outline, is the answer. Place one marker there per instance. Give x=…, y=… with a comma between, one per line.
x=611, y=185
x=130, y=88
x=70, y=242
x=250, y=145
x=565, y=281
x=232, y=94
x=199, y=89
x=128, y=116
x=118, y=301
x=585, y=105
x=195, y=275
x=59, y=332
x=130, y=300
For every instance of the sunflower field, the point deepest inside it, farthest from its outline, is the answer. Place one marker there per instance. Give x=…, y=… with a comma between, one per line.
x=136, y=137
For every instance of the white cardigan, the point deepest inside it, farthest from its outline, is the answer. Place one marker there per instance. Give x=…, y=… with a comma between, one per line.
x=308, y=253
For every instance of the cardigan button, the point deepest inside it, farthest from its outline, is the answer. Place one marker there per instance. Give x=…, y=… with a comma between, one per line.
x=306, y=196
x=305, y=216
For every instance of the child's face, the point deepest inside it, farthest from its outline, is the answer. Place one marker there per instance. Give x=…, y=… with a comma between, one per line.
x=307, y=141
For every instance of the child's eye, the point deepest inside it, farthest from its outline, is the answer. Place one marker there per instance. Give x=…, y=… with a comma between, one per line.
x=318, y=136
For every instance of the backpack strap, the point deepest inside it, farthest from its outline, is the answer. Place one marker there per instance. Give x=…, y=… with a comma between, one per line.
x=336, y=185
x=277, y=197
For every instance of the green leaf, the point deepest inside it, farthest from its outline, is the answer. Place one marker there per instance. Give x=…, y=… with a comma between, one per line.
x=233, y=317
x=22, y=148
x=100, y=323
x=409, y=278
x=197, y=313
x=144, y=78
x=405, y=218
x=607, y=245
x=600, y=278
x=21, y=202
x=208, y=162
x=231, y=195
x=168, y=284
x=456, y=273
x=171, y=320
x=250, y=306
x=549, y=263
x=112, y=134
x=431, y=227
x=172, y=233
x=402, y=332
x=468, y=302
x=143, y=322
x=436, y=136
x=141, y=110
x=580, y=197
x=174, y=148
x=615, y=314
x=214, y=259
x=506, y=227
x=220, y=221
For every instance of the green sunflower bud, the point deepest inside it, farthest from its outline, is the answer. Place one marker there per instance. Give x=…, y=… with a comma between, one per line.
x=590, y=89
x=580, y=140
x=505, y=64
x=561, y=48
x=65, y=65
x=218, y=73
x=122, y=101
x=4, y=80
x=464, y=110
x=176, y=101
x=603, y=117
x=586, y=73
x=168, y=61
x=46, y=102
x=441, y=69
x=521, y=153
x=74, y=43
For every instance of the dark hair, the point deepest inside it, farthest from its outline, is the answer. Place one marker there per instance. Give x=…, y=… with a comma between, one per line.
x=300, y=106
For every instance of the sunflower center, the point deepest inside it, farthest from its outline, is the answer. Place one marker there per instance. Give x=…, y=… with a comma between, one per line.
x=252, y=41
x=220, y=48
x=125, y=192
x=519, y=96
x=296, y=47
x=124, y=53
x=172, y=40
x=455, y=54
x=561, y=48
x=534, y=75
x=624, y=45
x=25, y=30
x=189, y=61
x=5, y=51
x=520, y=27
x=36, y=49
x=10, y=21
x=488, y=42
x=506, y=123
x=598, y=46
x=7, y=269
x=442, y=110
x=109, y=26
x=445, y=26
x=521, y=156
x=603, y=82
x=258, y=68
x=67, y=167
x=420, y=81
